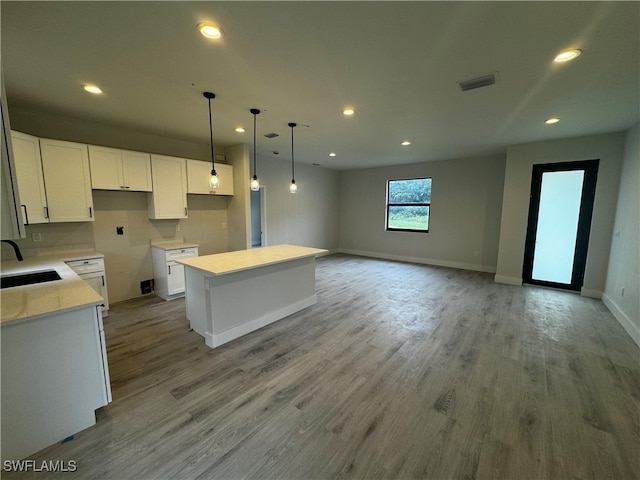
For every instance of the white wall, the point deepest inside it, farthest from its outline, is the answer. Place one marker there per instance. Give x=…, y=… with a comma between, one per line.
x=466, y=198
x=309, y=217
x=624, y=259
x=517, y=187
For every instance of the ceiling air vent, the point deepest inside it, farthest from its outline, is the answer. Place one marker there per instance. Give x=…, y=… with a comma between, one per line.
x=271, y=135
x=479, y=82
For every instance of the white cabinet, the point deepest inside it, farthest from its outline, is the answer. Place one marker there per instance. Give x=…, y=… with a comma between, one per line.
x=169, y=197
x=114, y=169
x=67, y=179
x=92, y=271
x=169, y=274
x=28, y=166
x=199, y=176
x=54, y=376
x=11, y=221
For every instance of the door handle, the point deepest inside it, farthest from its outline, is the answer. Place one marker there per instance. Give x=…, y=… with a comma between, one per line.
x=169, y=269
x=46, y=212
x=26, y=216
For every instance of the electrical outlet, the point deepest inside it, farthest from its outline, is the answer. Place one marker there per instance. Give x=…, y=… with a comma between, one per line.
x=36, y=237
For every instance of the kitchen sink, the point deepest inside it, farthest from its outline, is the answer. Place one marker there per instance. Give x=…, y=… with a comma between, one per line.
x=8, y=281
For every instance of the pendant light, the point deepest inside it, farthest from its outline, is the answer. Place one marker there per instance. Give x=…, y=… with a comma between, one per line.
x=293, y=188
x=255, y=184
x=214, y=176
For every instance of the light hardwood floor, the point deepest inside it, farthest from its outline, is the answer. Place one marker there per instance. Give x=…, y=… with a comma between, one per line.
x=399, y=371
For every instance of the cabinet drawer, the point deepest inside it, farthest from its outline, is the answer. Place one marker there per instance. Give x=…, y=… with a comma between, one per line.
x=88, y=265
x=181, y=253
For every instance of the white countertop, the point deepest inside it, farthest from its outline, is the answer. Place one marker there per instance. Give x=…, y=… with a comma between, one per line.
x=41, y=299
x=172, y=244
x=230, y=262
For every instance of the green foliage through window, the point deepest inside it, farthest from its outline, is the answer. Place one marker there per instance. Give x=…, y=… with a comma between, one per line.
x=408, y=204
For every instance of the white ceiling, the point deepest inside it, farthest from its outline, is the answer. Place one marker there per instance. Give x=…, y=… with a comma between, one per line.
x=397, y=63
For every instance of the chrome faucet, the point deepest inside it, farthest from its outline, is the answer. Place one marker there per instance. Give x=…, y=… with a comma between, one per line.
x=16, y=248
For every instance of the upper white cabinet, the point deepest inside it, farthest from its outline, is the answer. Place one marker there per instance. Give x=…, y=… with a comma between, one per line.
x=113, y=169
x=169, y=197
x=30, y=180
x=11, y=221
x=67, y=179
x=199, y=178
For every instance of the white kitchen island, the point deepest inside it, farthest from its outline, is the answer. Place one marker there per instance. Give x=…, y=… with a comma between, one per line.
x=231, y=294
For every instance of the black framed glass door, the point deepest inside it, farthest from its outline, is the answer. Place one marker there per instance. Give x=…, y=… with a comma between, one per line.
x=560, y=211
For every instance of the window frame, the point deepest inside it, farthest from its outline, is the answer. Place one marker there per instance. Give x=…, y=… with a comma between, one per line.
x=416, y=204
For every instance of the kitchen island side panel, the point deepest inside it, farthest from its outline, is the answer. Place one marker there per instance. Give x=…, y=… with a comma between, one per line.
x=238, y=303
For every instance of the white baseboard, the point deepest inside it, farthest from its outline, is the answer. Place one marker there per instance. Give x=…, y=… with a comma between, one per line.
x=585, y=292
x=216, y=339
x=424, y=261
x=622, y=318
x=517, y=281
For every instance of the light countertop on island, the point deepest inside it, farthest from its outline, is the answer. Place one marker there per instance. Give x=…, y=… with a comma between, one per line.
x=230, y=262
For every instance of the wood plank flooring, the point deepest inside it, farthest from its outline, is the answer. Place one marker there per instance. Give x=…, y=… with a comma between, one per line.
x=400, y=371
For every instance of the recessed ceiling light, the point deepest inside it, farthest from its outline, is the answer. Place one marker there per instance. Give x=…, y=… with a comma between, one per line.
x=332, y=154
x=240, y=129
x=551, y=121
x=91, y=88
x=348, y=111
x=567, y=55
x=405, y=143
x=210, y=30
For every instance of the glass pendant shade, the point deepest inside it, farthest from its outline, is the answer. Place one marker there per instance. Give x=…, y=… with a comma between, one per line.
x=255, y=184
x=293, y=188
x=215, y=181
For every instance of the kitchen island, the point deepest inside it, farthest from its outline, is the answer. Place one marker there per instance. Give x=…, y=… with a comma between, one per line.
x=231, y=294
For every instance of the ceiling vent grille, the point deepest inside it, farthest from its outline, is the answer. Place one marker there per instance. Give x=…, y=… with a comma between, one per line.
x=271, y=135
x=479, y=82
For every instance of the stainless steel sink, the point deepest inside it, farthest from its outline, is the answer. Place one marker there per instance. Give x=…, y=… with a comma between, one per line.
x=8, y=281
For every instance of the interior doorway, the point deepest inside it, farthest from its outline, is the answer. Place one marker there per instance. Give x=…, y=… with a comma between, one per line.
x=560, y=210
x=258, y=218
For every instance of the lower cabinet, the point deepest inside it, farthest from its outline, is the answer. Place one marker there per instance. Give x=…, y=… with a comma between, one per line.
x=55, y=375
x=92, y=271
x=168, y=273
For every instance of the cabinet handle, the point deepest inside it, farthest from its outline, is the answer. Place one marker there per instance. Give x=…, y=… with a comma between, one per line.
x=102, y=280
x=46, y=212
x=127, y=187
x=26, y=216
x=169, y=269
x=122, y=186
x=90, y=212
x=185, y=211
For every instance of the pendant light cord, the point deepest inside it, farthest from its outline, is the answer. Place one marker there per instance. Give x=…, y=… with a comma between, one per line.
x=293, y=176
x=209, y=96
x=255, y=113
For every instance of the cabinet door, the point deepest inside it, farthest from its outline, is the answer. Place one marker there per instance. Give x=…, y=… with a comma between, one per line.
x=28, y=167
x=137, y=171
x=98, y=282
x=225, y=175
x=169, y=196
x=199, y=177
x=175, y=278
x=106, y=168
x=67, y=180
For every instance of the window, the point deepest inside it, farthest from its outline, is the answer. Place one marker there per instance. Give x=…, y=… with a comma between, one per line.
x=408, y=204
